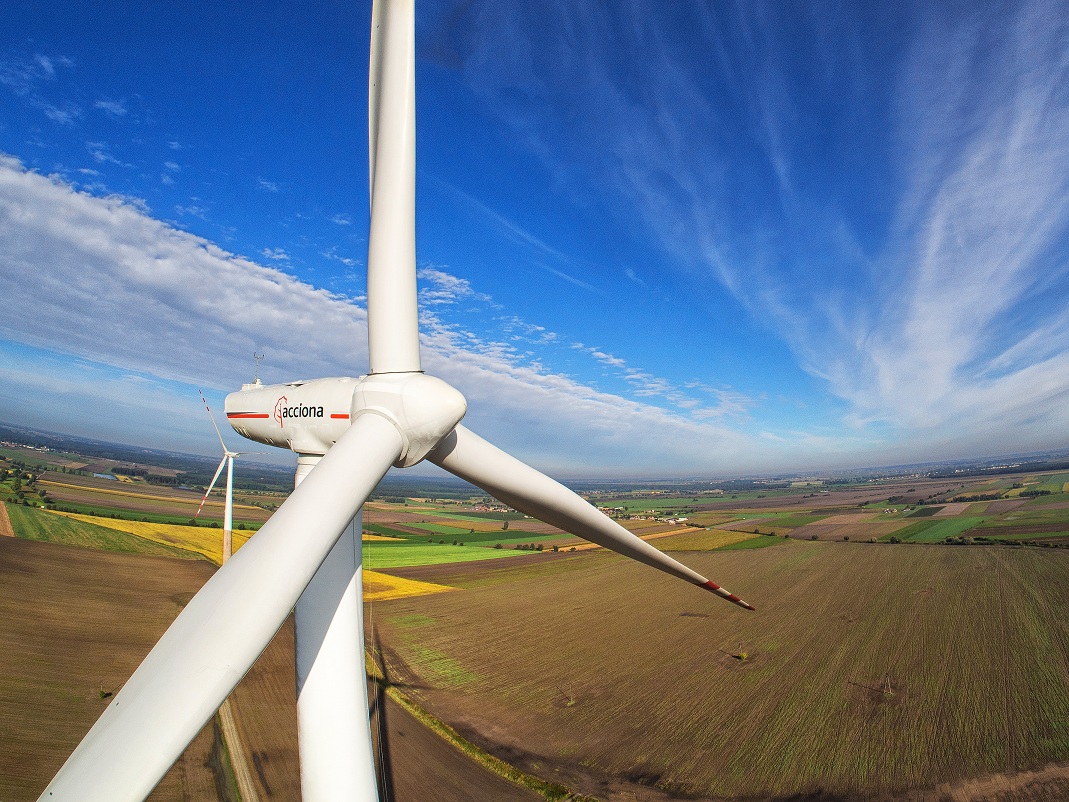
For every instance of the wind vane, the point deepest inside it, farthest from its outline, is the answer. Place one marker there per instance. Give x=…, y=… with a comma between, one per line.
x=259, y=359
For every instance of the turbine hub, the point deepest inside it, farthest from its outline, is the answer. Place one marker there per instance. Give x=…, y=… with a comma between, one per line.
x=424, y=409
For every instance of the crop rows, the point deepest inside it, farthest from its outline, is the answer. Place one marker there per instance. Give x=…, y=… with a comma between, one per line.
x=973, y=643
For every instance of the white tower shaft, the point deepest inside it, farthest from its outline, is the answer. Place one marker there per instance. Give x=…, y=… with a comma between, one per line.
x=334, y=731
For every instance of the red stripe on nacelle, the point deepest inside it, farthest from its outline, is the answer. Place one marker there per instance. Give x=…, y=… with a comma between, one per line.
x=339, y=415
x=247, y=415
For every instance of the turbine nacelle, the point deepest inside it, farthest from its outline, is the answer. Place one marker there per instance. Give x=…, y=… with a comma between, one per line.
x=309, y=417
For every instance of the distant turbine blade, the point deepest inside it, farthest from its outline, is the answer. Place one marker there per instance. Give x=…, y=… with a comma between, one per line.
x=204, y=654
x=207, y=492
x=466, y=455
x=392, y=312
x=210, y=415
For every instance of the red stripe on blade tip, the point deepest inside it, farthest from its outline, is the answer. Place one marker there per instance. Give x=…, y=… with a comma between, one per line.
x=731, y=597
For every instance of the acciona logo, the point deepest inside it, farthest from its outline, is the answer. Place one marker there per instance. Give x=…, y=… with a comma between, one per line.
x=284, y=412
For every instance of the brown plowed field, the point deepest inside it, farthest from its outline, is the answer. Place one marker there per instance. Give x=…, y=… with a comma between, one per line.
x=1006, y=505
x=1022, y=529
x=74, y=621
x=954, y=508
x=137, y=497
x=856, y=526
x=626, y=684
x=376, y=513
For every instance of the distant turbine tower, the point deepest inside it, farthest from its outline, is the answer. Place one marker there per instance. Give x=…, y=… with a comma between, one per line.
x=347, y=433
x=228, y=507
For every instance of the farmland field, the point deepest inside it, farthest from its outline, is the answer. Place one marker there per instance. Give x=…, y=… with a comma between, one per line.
x=676, y=711
x=164, y=504
x=933, y=668
x=36, y=524
x=86, y=635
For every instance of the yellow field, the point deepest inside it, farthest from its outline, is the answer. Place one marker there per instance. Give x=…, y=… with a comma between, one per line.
x=209, y=543
x=672, y=532
x=369, y=538
x=205, y=541
x=383, y=587
x=704, y=539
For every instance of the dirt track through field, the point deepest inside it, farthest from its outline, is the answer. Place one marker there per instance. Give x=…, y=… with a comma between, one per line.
x=5, y=523
x=238, y=759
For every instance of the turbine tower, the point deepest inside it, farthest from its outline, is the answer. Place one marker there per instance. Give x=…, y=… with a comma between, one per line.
x=347, y=433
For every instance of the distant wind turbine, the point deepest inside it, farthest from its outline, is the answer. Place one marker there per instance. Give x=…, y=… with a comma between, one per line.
x=347, y=433
x=228, y=507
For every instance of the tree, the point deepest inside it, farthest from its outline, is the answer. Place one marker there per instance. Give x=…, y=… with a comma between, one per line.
x=505, y=525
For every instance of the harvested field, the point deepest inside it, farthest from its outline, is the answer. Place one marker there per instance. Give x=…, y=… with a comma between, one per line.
x=443, y=773
x=377, y=513
x=88, y=491
x=661, y=534
x=5, y=523
x=702, y=540
x=383, y=587
x=538, y=676
x=748, y=523
x=954, y=508
x=1006, y=505
x=861, y=526
x=94, y=616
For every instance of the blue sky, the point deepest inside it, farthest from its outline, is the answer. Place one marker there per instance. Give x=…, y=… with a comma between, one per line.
x=654, y=239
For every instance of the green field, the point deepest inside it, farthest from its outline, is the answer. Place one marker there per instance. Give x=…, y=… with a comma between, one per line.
x=35, y=524
x=935, y=530
x=380, y=554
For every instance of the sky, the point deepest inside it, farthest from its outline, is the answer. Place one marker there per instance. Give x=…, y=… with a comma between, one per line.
x=653, y=239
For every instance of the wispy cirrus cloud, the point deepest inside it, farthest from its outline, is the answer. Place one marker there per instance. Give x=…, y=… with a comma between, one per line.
x=113, y=108
x=543, y=255
x=898, y=213
x=31, y=78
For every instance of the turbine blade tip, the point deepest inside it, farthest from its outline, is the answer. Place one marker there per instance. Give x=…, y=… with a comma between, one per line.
x=731, y=597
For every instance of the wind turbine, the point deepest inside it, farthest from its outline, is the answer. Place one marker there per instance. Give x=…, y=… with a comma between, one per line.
x=228, y=507
x=347, y=433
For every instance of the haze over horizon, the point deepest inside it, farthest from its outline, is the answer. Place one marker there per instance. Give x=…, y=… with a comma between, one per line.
x=653, y=239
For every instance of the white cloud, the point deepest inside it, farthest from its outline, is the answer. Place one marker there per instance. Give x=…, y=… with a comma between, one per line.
x=275, y=254
x=267, y=186
x=29, y=79
x=116, y=287
x=945, y=327
x=102, y=154
x=333, y=255
x=114, y=108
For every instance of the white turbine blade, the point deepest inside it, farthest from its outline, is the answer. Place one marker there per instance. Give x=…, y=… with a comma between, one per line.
x=465, y=454
x=392, y=312
x=207, y=492
x=210, y=415
x=205, y=653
